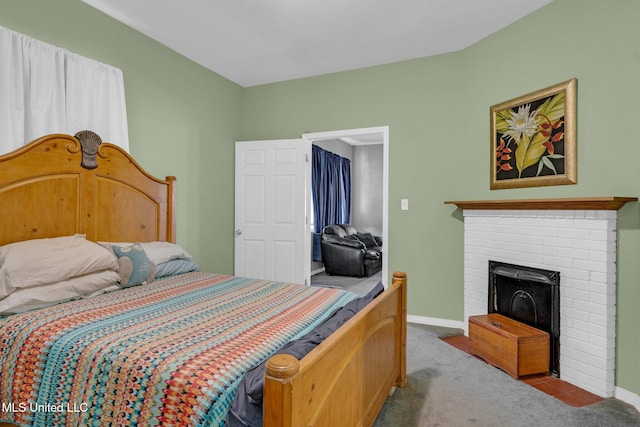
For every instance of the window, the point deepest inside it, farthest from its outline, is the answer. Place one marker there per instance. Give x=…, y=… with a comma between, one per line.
x=45, y=89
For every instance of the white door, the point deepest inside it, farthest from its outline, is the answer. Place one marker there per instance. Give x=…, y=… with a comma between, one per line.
x=272, y=238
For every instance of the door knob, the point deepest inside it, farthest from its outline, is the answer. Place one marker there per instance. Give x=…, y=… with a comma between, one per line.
x=238, y=232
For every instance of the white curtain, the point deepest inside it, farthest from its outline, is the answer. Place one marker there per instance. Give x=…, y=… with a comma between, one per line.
x=45, y=89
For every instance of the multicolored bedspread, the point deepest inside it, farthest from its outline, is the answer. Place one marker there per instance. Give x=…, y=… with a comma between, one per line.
x=168, y=353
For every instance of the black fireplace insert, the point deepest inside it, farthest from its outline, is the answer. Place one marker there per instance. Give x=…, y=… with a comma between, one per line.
x=531, y=296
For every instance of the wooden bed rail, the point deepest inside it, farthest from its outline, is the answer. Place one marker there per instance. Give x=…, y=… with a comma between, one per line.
x=346, y=379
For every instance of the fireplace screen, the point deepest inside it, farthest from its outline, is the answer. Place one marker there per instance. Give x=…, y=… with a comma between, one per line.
x=531, y=296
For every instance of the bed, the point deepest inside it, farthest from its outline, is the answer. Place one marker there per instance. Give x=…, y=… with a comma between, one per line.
x=79, y=192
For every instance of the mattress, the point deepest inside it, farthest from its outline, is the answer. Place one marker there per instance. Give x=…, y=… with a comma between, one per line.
x=171, y=352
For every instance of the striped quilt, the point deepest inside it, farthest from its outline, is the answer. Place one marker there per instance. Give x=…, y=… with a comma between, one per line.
x=168, y=353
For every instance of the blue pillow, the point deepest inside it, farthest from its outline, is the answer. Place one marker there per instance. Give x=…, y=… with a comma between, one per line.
x=175, y=266
x=134, y=265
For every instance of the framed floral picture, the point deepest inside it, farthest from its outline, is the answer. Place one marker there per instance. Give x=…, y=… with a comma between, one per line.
x=533, y=139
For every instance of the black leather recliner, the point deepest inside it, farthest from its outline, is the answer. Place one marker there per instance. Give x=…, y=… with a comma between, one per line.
x=345, y=252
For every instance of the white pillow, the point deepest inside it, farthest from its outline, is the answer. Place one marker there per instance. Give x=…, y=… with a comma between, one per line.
x=48, y=294
x=41, y=261
x=159, y=252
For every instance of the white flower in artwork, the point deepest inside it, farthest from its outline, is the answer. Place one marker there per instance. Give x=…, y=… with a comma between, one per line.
x=522, y=123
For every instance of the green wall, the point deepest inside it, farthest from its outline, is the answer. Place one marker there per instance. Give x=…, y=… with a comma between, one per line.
x=183, y=121
x=437, y=109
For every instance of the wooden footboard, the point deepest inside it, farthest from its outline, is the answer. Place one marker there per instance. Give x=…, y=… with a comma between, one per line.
x=346, y=379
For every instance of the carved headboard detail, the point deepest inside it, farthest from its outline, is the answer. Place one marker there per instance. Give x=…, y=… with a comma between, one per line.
x=61, y=185
x=89, y=141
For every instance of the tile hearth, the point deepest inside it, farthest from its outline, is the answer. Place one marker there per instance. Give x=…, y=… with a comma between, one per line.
x=561, y=390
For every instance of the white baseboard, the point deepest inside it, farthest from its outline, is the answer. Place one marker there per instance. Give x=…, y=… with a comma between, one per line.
x=434, y=321
x=618, y=393
x=627, y=397
x=317, y=271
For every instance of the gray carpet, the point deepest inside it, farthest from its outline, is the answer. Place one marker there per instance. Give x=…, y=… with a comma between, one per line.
x=449, y=388
x=358, y=285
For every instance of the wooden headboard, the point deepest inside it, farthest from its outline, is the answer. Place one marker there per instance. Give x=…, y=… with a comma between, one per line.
x=60, y=185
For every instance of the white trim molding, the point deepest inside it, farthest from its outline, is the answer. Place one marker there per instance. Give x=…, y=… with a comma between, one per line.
x=434, y=321
x=627, y=397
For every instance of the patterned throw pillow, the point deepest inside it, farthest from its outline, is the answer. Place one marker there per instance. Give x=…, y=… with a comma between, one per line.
x=135, y=266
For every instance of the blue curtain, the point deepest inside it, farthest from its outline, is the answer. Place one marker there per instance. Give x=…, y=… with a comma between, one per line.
x=331, y=189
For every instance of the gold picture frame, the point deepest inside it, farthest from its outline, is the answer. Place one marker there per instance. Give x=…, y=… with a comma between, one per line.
x=533, y=139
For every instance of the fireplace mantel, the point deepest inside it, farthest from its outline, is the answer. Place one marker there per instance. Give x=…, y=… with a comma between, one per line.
x=585, y=203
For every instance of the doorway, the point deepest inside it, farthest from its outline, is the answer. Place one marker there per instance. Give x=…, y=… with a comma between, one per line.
x=361, y=140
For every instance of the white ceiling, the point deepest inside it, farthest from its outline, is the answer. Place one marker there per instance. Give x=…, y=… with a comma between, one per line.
x=253, y=42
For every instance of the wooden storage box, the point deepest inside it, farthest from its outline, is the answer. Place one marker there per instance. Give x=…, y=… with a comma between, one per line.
x=512, y=346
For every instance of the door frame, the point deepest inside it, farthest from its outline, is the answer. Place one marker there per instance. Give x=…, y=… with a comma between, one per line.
x=350, y=135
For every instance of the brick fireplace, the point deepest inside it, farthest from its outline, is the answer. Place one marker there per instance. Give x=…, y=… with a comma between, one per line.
x=576, y=237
